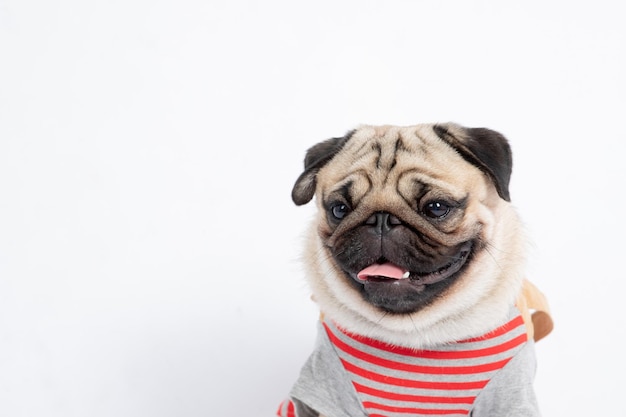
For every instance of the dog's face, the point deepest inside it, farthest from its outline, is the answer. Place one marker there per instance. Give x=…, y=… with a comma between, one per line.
x=414, y=225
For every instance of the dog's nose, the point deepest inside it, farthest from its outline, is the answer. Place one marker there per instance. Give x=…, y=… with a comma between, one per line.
x=383, y=221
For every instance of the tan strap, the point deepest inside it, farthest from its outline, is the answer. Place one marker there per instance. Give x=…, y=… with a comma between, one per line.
x=535, y=311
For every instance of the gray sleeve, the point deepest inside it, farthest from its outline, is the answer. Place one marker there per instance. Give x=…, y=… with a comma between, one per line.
x=323, y=384
x=510, y=393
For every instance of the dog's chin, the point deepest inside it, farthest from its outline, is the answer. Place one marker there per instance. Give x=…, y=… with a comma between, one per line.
x=418, y=290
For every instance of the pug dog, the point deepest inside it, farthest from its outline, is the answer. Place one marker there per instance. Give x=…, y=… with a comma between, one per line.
x=416, y=259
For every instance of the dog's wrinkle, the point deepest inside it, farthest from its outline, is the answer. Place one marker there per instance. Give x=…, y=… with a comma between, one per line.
x=461, y=255
x=443, y=272
x=376, y=147
x=400, y=145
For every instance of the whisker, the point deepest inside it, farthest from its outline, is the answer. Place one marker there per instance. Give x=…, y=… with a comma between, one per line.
x=382, y=317
x=488, y=249
x=413, y=323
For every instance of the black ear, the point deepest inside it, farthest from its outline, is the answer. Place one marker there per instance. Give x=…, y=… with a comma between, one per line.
x=316, y=157
x=485, y=148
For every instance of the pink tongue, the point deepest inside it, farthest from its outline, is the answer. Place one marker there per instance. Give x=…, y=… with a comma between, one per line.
x=387, y=270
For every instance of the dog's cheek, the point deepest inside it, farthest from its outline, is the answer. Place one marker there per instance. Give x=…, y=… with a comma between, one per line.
x=324, y=231
x=483, y=220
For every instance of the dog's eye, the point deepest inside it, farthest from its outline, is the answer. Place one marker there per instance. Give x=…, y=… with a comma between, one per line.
x=339, y=211
x=436, y=209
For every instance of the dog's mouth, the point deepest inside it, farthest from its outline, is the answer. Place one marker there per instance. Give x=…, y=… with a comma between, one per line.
x=387, y=271
x=397, y=289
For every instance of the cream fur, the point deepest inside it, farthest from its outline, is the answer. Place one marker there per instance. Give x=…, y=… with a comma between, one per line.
x=475, y=304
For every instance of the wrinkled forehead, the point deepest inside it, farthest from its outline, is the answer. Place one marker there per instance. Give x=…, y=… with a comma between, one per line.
x=386, y=142
x=410, y=160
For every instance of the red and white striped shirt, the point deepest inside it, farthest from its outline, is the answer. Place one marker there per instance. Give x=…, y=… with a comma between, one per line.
x=394, y=381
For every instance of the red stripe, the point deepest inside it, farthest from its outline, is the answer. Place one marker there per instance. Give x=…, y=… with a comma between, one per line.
x=429, y=354
x=477, y=353
x=516, y=322
x=412, y=398
x=410, y=383
x=291, y=411
x=371, y=405
x=446, y=370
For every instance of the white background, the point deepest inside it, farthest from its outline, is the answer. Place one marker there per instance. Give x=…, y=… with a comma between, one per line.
x=148, y=244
